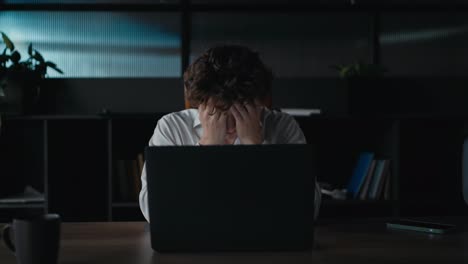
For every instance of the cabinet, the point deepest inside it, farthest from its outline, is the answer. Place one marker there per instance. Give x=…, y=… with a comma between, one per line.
x=72, y=160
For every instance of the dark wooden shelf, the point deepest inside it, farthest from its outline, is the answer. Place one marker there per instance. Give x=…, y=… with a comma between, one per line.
x=324, y=202
x=329, y=7
x=357, y=202
x=54, y=117
x=116, y=116
x=125, y=205
x=121, y=116
x=358, y=208
x=21, y=205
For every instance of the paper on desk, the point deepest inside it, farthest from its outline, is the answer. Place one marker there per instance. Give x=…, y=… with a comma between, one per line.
x=30, y=195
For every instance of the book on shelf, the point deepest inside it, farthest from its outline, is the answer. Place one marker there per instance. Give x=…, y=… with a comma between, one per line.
x=385, y=176
x=359, y=173
x=378, y=179
x=370, y=178
x=365, y=187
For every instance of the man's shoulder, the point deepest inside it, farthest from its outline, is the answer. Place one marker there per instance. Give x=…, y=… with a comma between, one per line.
x=185, y=117
x=276, y=117
x=277, y=113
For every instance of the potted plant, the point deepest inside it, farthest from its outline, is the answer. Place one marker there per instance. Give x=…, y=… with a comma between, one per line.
x=361, y=80
x=20, y=80
x=359, y=70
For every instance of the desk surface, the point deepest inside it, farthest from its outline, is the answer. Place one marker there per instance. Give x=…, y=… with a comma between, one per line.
x=357, y=242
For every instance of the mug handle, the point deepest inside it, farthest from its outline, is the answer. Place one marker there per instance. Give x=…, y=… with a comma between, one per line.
x=7, y=238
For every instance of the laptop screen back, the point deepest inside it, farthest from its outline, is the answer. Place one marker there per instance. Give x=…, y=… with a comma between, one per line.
x=231, y=197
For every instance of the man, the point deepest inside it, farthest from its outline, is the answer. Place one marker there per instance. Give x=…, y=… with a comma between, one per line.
x=227, y=88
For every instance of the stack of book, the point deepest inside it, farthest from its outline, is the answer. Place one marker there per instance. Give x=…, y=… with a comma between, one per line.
x=127, y=182
x=370, y=179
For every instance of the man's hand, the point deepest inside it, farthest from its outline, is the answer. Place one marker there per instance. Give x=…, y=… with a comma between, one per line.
x=248, y=125
x=213, y=122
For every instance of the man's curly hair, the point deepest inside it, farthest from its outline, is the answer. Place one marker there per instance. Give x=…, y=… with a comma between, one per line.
x=228, y=74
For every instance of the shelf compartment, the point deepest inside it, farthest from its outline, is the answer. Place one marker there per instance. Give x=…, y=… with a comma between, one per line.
x=126, y=205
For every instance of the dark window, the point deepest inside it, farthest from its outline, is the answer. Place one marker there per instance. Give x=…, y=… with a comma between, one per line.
x=293, y=45
x=425, y=44
x=100, y=44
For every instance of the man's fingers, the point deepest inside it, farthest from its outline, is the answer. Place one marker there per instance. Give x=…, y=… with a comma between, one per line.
x=202, y=112
x=258, y=111
x=211, y=110
x=221, y=116
x=217, y=114
x=211, y=102
x=251, y=109
x=235, y=113
x=241, y=110
x=201, y=108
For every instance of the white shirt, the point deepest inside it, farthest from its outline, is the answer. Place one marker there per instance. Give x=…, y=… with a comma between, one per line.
x=184, y=129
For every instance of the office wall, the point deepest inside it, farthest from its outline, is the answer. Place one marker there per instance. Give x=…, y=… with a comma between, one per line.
x=150, y=95
x=140, y=54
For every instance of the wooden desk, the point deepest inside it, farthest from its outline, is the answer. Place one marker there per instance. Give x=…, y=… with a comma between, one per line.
x=358, y=242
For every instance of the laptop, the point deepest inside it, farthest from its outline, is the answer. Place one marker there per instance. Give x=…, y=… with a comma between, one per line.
x=231, y=198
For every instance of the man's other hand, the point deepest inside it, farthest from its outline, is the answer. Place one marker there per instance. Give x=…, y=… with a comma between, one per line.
x=213, y=122
x=248, y=125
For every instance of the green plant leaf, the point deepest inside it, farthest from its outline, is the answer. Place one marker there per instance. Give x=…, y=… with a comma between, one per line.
x=3, y=58
x=30, y=49
x=41, y=69
x=54, y=66
x=51, y=64
x=345, y=72
x=360, y=69
x=8, y=42
x=38, y=56
x=15, y=57
x=35, y=63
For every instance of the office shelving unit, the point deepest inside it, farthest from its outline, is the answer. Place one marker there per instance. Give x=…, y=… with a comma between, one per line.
x=78, y=153
x=74, y=166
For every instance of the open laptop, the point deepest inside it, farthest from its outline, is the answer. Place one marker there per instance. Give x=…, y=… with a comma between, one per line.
x=231, y=198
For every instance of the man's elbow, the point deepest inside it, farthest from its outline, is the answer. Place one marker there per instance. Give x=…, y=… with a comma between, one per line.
x=144, y=203
x=318, y=201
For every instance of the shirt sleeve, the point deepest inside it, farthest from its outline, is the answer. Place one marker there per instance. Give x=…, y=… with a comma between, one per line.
x=318, y=200
x=290, y=131
x=162, y=136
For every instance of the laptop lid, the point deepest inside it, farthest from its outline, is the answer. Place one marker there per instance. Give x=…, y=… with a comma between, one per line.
x=223, y=198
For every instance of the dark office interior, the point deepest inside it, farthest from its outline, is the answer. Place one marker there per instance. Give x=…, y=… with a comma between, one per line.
x=79, y=143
